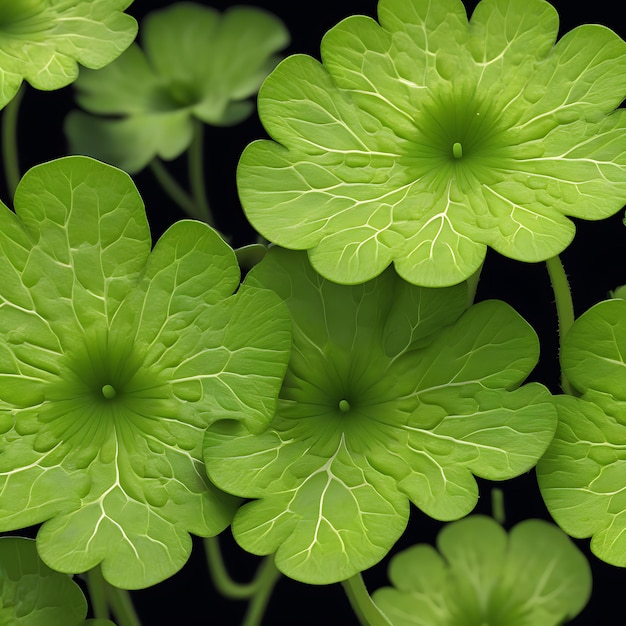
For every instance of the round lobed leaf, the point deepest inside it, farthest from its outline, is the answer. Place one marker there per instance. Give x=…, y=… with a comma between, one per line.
x=534, y=576
x=581, y=476
x=31, y=594
x=392, y=394
x=43, y=41
x=113, y=361
x=426, y=138
x=159, y=89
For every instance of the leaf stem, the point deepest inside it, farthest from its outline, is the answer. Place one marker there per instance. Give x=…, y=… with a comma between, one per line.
x=472, y=285
x=362, y=604
x=10, y=154
x=497, y=506
x=564, y=306
x=172, y=188
x=264, y=582
x=258, y=591
x=196, y=175
x=122, y=606
x=96, y=586
x=221, y=578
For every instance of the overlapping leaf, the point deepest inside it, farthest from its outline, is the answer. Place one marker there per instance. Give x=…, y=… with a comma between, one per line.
x=31, y=594
x=423, y=139
x=392, y=395
x=582, y=476
x=196, y=63
x=535, y=576
x=42, y=41
x=113, y=360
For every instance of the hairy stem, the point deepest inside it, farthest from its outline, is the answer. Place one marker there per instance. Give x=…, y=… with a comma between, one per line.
x=10, y=154
x=564, y=307
x=362, y=604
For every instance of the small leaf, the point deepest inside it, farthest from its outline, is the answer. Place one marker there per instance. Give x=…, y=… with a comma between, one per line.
x=393, y=394
x=31, y=594
x=160, y=88
x=619, y=292
x=535, y=576
x=581, y=476
x=43, y=42
x=422, y=140
x=113, y=361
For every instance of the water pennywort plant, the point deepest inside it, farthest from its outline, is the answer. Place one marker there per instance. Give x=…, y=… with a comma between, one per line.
x=340, y=381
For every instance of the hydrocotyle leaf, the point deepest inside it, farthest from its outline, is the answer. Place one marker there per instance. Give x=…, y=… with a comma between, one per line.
x=194, y=63
x=424, y=138
x=31, y=594
x=532, y=576
x=42, y=42
x=113, y=361
x=394, y=393
x=582, y=475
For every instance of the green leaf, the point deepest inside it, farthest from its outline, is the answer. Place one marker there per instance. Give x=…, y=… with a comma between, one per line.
x=113, y=361
x=534, y=576
x=160, y=89
x=619, y=292
x=42, y=42
x=582, y=474
x=31, y=594
x=424, y=139
x=392, y=394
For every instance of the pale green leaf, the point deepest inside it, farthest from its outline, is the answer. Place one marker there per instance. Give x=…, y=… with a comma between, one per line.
x=392, y=394
x=534, y=576
x=582, y=474
x=31, y=594
x=424, y=139
x=114, y=358
x=194, y=63
x=43, y=41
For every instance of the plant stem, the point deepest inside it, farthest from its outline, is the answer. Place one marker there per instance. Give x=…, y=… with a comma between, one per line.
x=96, y=586
x=497, y=506
x=258, y=591
x=122, y=606
x=564, y=306
x=472, y=285
x=196, y=175
x=221, y=578
x=10, y=155
x=264, y=582
x=363, y=605
x=172, y=188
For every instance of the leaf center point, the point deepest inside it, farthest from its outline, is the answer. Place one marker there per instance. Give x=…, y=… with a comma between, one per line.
x=344, y=406
x=109, y=392
x=457, y=150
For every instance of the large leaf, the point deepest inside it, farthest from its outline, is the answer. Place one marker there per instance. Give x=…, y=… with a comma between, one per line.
x=583, y=474
x=534, y=576
x=31, y=594
x=195, y=63
x=113, y=361
x=42, y=41
x=423, y=139
x=392, y=395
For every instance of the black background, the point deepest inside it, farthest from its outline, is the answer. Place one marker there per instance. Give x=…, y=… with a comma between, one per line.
x=595, y=263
